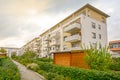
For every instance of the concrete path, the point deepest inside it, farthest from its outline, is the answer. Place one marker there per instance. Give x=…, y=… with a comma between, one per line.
x=27, y=74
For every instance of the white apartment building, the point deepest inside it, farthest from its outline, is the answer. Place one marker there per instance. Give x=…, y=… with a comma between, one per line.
x=84, y=27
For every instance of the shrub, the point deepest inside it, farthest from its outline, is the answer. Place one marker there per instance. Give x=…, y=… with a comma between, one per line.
x=44, y=59
x=55, y=76
x=8, y=70
x=33, y=66
x=98, y=59
x=115, y=64
x=75, y=73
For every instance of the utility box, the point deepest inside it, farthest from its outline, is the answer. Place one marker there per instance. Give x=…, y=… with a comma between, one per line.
x=70, y=58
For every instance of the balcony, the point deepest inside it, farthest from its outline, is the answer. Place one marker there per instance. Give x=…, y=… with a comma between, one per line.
x=55, y=43
x=73, y=28
x=73, y=38
x=46, y=38
x=76, y=48
x=51, y=51
x=55, y=35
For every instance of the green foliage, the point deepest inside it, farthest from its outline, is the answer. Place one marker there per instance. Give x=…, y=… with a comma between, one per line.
x=2, y=50
x=8, y=70
x=55, y=76
x=0, y=62
x=74, y=73
x=26, y=58
x=55, y=72
x=33, y=66
x=98, y=59
x=44, y=59
x=115, y=64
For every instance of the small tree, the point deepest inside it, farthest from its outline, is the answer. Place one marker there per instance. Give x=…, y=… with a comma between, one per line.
x=3, y=50
x=98, y=59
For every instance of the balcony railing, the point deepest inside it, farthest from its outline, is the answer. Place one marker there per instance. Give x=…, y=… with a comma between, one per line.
x=55, y=43
x=76, y=48
x=46, y=38
x=55, y=35
x=72, y=28
x=73, y=38
x=51, y=51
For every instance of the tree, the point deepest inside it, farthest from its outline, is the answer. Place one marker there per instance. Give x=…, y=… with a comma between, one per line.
x=3, y=50
x=98, y=59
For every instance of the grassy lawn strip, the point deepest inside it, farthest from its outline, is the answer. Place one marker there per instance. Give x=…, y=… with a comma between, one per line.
x=8, y=70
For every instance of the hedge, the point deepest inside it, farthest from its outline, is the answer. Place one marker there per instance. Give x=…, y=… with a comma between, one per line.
x=78, y=74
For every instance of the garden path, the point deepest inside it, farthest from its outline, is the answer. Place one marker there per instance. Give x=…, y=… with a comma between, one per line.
x=27, y=74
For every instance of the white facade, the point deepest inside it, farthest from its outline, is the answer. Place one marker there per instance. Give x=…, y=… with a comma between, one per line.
x=87, y=31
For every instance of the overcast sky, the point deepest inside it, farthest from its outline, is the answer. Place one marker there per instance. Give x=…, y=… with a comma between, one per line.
x=23, y=20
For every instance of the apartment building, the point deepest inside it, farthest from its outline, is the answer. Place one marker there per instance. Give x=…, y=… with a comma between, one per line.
x=115, y=48
x=34, y=45
x=10, y=51
x=84, y=27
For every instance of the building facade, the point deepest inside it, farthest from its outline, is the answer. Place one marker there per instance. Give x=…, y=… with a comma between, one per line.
x=115, y=48
x=10, y=51
x=84, y=27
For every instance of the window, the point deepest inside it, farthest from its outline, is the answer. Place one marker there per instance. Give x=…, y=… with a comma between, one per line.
x=99, y=36
x=93, y=35
x=99, y=27
x=93, y=25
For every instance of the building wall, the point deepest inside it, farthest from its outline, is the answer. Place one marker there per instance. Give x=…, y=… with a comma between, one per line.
x=115, y=48
x=87, y=30
x=84, y=16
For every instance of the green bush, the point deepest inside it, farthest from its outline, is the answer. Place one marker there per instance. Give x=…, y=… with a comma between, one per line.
x=115, y=64
x=8, y=70
x=55, y=76
x=76, y=73
x=26, y=58
x=98, y=59
x=44, y=59
x=55, y=72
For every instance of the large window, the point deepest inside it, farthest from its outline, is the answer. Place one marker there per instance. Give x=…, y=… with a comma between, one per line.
x=93, y=35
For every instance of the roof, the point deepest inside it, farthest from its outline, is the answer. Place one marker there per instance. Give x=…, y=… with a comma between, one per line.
x=115, y=41
x=92, y=7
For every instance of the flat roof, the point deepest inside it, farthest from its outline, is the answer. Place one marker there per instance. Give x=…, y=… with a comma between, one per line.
x=115, y=41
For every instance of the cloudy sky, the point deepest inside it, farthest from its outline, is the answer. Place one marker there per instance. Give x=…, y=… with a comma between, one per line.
x=22, y=20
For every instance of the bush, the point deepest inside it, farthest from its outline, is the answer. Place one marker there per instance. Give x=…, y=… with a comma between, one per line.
x=27, y=58
x=55, y=76
x=115, y=64
x=76, y=73
x=98, y=59
x=44, y=59
x=33, y=66
x=8, y=70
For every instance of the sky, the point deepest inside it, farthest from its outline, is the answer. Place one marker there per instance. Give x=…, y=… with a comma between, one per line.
x=23, y=20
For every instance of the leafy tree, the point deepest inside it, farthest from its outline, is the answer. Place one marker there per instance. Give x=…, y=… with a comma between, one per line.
x=98, y=59
x=3, y=50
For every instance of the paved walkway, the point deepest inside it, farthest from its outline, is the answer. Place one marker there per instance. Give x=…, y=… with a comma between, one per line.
x=27, y=74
